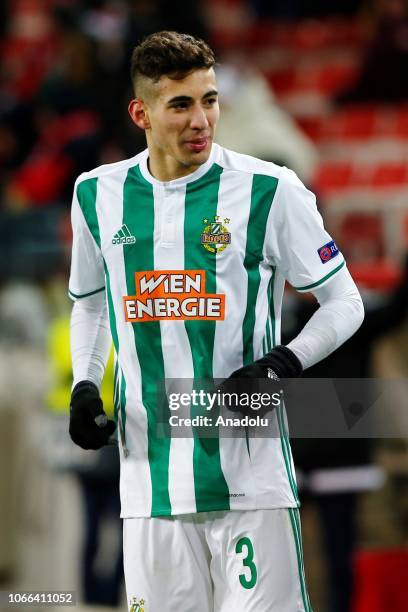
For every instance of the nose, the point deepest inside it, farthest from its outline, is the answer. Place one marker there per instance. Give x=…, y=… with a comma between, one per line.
x=199, y=119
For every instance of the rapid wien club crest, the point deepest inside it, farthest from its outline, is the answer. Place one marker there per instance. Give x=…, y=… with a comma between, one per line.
x=215, y=237
x=137, y=605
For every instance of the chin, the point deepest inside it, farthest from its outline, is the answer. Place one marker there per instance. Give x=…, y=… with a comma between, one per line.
x=197, y=159
x=190, y=158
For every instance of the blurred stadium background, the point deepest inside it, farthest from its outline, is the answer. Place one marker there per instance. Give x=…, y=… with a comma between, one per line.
x=318, y=86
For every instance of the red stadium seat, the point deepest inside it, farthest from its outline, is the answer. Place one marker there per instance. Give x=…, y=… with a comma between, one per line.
x=381, y=274
x=332, y=176
x=387, y=174
x=401, y=124
x=343, y=175
x=381, y=581
x=326, y=79
x=359, y=123
x=307, y=35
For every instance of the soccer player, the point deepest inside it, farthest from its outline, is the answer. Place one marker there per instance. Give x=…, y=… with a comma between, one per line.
x=180, y=255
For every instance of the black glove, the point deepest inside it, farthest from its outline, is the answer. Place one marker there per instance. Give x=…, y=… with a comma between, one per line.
x=89, y=427
x=279, y=363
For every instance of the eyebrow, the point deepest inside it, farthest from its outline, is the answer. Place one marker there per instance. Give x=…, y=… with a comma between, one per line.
x=213, y=92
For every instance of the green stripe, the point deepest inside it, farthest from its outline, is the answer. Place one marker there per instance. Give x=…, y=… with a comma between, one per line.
x=86, y=194
x=268, y=335
x=268, y=341
x=286, y=452
x=115, y=391
x=263, y=192
x=83, y=295
x=319, y=282
x=111, y=310
x=296, y=516
x=122, y=402
x=285, y=444
x=211, y=489
x=115, y=339
x=138, y=213
x=272, y=306
x=305, y=597
x=270, y=320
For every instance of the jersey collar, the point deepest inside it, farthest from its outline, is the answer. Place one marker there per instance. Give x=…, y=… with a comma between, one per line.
x=184, y=179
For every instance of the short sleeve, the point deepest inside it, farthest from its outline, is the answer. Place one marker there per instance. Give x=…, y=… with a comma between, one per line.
x=87, y=272
x=297, y=242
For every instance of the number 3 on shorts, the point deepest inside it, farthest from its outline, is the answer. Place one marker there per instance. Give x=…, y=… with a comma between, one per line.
x=247, y=561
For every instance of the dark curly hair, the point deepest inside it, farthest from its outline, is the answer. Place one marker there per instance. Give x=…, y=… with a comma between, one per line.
x=169, y=53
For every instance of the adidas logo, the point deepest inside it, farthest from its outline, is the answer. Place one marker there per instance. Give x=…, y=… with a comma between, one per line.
x=123, y=236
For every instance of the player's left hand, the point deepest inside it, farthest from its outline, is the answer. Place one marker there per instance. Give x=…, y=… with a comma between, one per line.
x=89, y=427
x=279, y=363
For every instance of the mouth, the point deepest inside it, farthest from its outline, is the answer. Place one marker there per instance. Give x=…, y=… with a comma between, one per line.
x=198, y=144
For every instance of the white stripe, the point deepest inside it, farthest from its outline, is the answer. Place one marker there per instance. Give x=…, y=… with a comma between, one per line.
x=178, y=361
x=116, y=380
x=261, y=310
x=268, y=331
x=234, y=202
x=278, y=288
x=135, y=480
x=268, y=451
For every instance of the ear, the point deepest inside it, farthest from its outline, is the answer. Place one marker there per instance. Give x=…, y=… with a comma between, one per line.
x=138, y=113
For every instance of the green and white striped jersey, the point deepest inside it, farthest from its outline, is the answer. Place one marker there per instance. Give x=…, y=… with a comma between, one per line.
x=193, y=271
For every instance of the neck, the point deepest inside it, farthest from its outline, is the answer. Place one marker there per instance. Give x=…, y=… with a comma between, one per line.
x=168, y=172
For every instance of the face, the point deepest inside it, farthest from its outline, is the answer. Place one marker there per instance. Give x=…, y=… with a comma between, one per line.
x=179, y=117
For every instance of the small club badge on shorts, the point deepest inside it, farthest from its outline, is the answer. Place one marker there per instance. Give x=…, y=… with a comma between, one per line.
x=137, y=605
x=215, y=237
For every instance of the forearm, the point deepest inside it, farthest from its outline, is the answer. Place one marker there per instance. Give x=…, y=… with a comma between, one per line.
x=90, y=338
x=340, y=314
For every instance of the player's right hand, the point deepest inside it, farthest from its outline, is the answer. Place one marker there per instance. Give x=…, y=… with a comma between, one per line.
x=89, y=427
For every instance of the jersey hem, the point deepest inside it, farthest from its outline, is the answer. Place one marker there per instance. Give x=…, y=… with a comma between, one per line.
x=322, y=280
x=83, y=295
x=158, y=513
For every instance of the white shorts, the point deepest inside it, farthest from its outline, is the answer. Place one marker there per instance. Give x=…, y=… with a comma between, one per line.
x=236, y=561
